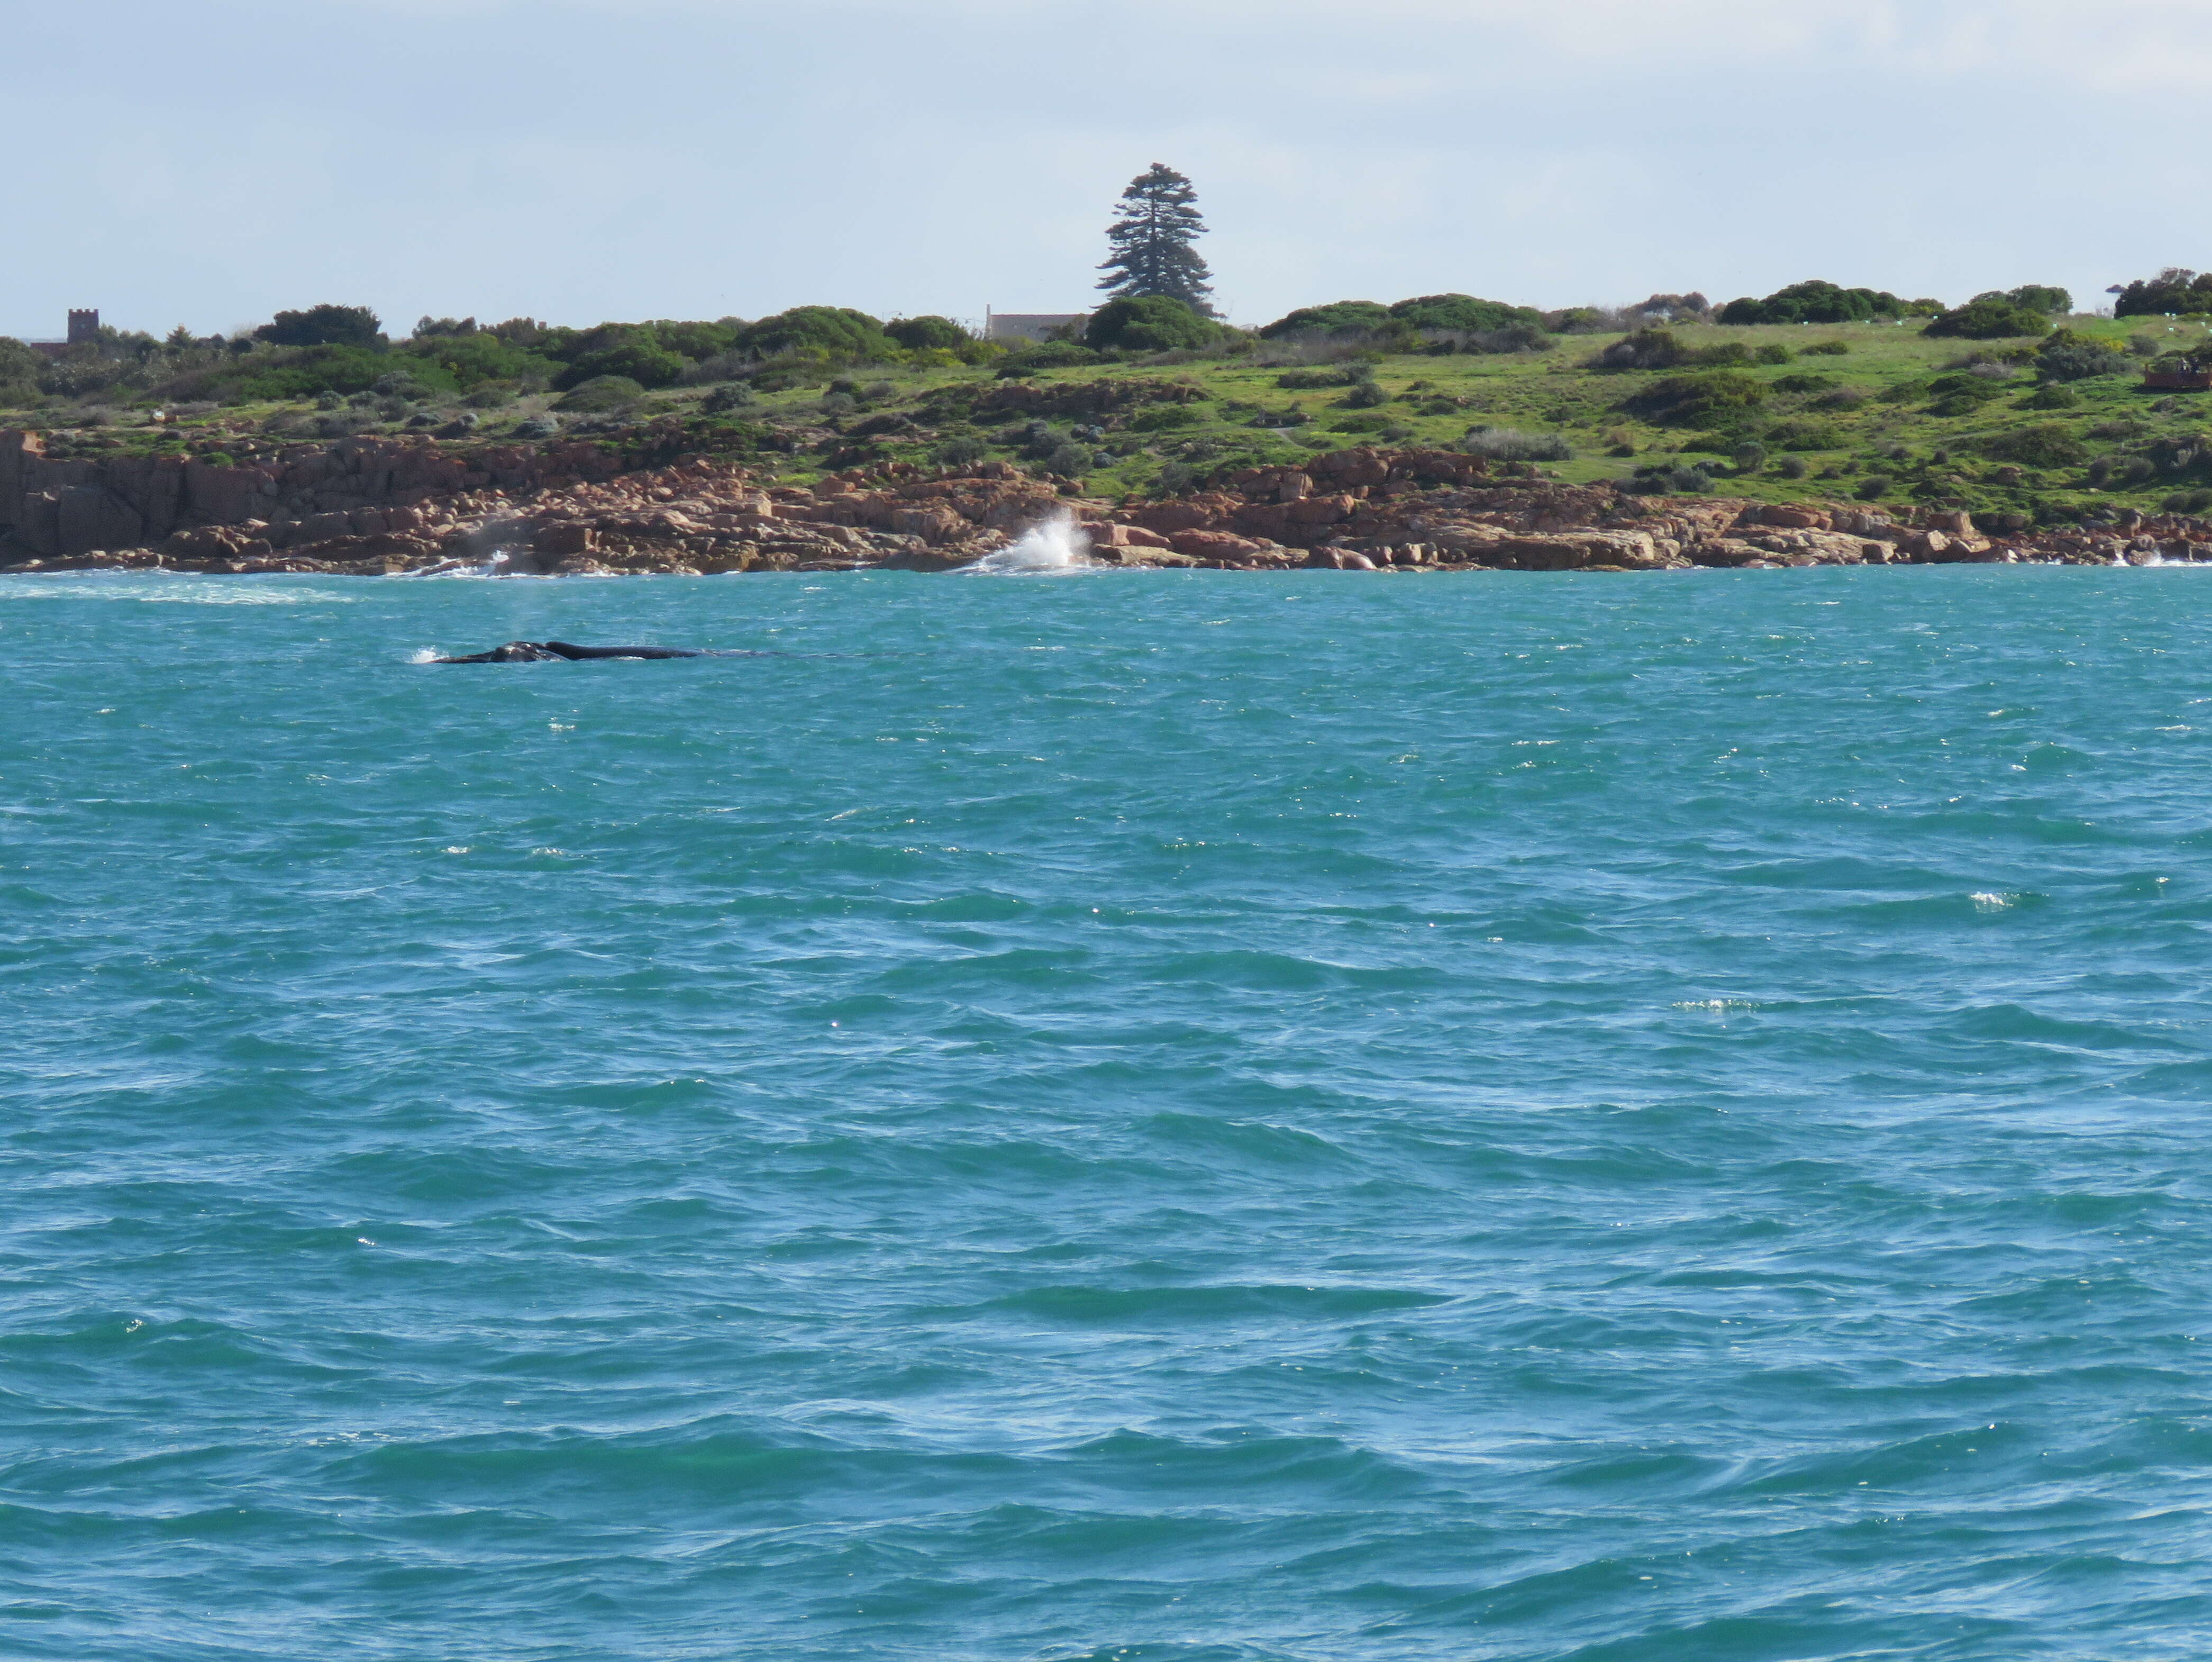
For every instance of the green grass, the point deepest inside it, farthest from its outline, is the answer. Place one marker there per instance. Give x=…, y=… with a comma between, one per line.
x=1871, y=415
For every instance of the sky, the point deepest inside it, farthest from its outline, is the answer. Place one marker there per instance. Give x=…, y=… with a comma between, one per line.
x=210, y=162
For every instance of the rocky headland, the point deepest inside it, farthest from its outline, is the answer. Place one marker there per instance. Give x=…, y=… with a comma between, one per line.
x=378, y=506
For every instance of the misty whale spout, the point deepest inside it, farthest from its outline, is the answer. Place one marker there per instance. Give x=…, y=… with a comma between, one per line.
x=546, y=652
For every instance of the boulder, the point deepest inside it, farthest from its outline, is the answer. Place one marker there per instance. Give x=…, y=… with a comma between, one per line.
x=1215, y=545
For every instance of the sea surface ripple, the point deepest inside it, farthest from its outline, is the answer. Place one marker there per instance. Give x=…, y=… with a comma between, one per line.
x=1122, y=1116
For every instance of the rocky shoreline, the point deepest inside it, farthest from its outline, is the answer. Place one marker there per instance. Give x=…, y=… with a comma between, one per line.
x=378, y=507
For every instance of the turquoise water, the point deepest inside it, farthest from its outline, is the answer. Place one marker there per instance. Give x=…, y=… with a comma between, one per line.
x=1133, y=1115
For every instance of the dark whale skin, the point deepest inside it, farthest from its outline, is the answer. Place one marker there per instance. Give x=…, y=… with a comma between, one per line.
x=547, y=652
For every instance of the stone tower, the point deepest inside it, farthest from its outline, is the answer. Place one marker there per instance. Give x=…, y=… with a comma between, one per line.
x=83, y=327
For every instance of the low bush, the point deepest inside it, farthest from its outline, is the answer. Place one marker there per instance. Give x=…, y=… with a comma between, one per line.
x=1049, y=355
x=1989, y=317
x=1714, y=398
x=1962, y=394
x=1463, y=313
x=1665, y=478
x=1338, y=318
x=603, y=395
x=1802, y=435
x=1749, y=458
x=1510, y=444
x=2069, y=356
x=1166, y=419
x=639, y=358
x=1801, y=382
x=1873, y=488
x=1826, y=348
x=927, y=333
x=324, y=326
x=2046, y=444
x=2052, y=397
x=1815, y=302
x=1307, y=380
x=837, y=332
x=1647, y=348
x=723, y=399
x=1792, y=467
x=1364, y=395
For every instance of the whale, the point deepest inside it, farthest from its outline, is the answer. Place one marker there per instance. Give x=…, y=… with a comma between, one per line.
x=548, y=652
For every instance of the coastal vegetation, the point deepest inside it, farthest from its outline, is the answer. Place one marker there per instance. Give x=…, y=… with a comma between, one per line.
x=2009, y=403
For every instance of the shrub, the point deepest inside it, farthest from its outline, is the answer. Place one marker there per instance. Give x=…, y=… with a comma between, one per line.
x=2145, y=346
x=1749, y=458
x=1465, y=313
x=1805, y=435
x=303, y=374
x=1647, y=348
x=1165, y=418
x=1962, y=394
x=1662, y=478
x=18, y=363
x=1815, y=302
x=1989, y=317
x=1508, y=444
x=962, y=452
x=2175, y=289
x=2046, y=444
x=1307, y=381
x=2053, y=397
x=1148, y=323
x=1792, y=467
x=1873, y=488
x=324, y=326
x=1340, y=317
x=604, y=395
x=1729, y=355
x=836, y=330
x=1580, y=321
x=1715, y=398
x=2069, y=356
x=1773, y=352
x=723, y=399
x=1070, y=459
x=695, y=340
x=1671, y=309
x=1365, y=395
x=1801, y=382
x=1050, y=355
x=927, y=333
x=639, y=358
x=470, y=360
x=1826, y=349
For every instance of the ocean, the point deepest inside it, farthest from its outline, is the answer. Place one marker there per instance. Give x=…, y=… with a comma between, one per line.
x=1123, y=1115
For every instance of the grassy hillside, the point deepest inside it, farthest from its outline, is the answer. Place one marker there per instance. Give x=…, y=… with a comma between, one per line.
x=1876, y=410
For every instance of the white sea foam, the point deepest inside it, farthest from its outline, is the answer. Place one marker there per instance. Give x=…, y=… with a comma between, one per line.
x=162, y=589
x=494, y=566
x=1054, y=545
x=424, y=655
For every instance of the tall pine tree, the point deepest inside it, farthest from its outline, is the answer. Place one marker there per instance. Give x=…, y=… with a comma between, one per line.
x=1152, y=234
